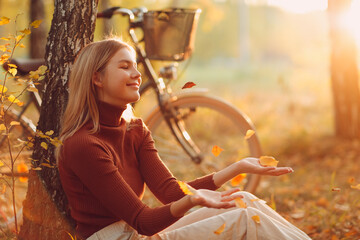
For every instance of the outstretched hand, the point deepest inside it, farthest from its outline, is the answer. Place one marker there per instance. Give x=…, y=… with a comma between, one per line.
x=213, y=199
x=252, y=165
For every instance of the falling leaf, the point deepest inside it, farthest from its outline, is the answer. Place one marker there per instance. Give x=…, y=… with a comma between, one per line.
x=268, y=161
x=256, y=218
x=44, y=145
x=238, y=179
x=4, y=20
x=220, y=229
x=36, y=23
x=240, y=203
x=22, y=168
x=216, y=150
x=249, y=134
x=355, y=186
x=188, y=85
x=351, y=180
x=336, y=189
x=14, y=123
x=49, y=133
x=184, y=187
x=22, y=45
x=2, y=127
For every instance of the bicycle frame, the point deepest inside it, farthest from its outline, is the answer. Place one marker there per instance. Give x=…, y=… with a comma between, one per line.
x=163, y=92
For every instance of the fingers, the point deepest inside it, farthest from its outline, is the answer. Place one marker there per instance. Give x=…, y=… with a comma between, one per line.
x=280, y=171
x=229, y=192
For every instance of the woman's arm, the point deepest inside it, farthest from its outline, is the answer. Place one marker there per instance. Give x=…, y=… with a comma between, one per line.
x=202, y=197
x=247, y=165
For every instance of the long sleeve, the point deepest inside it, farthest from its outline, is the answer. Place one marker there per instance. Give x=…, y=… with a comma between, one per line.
x=96, y=171
x=157, y=176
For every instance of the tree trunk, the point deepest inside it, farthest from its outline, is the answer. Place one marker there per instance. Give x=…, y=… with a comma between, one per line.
x=46, y=213
x=38, y=35
x=344, y=73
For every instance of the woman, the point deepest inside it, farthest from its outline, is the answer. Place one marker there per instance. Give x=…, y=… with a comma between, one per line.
x=107, y=158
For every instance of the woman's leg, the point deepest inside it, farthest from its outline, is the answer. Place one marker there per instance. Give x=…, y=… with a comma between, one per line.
x=239, y=223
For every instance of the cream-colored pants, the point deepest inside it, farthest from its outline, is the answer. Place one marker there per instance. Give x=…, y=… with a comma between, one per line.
x=202, y=223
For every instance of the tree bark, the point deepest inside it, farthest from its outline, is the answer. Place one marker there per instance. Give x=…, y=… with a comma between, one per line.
x=344, y=73
x=38, y=35
x=46, y=214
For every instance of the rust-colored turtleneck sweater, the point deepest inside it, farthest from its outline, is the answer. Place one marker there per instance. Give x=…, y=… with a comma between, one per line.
x=103, y=176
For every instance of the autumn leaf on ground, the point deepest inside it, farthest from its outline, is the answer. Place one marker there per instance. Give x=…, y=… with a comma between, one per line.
x=351, y=180
x=268, y=161
x=249, y=134
x=188, y=85
x=22, y=168
x=184, y=187
x=238, y=179
x=336, y=189
x=220, y=229
x=216, y=150
x=355, y=186
x=256, y=218
x=240, y=203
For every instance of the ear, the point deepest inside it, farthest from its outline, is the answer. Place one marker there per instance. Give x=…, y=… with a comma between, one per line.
x=96, y=79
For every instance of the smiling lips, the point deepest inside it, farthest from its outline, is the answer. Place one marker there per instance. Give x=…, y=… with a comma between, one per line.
x=137, y=85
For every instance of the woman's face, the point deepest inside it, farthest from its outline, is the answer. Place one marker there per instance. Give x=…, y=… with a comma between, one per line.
x=119, y=83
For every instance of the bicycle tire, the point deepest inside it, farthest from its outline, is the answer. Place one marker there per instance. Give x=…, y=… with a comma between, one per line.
x=22, y=131
x=207, y=104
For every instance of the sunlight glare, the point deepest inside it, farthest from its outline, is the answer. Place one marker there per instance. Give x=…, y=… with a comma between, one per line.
x=351, y=19
x=299, y=6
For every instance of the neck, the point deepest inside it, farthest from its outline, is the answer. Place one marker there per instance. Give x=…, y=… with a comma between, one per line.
x=110, y=115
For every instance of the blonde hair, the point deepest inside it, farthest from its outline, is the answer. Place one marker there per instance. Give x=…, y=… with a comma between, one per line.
x=82, y=105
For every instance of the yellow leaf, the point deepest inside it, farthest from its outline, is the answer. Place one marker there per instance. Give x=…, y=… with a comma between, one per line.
x=32, y=89
x=240, y=203
x=3, y=89
x=12, y=71
x=36, y=23
x=29, y=144
x=47, y=165
x=12, y=65
x=4, y=20
x=216, y=150
x=26, y=31
x=19, y=37
x=2, y=48
x=42, y=69
x=44, y=145
x=255, y=199
x=238, y=179
x=268, y=161
x=22, y=45
x=1, y=164
x=13, y=99
x=184, y=187
x=5, y=39
x=2, y=127
x=220, y=229
x=355, y=186
x=256, y=218
x=249, y=134
x=37, y=168
x=14, y=123
x=49, y=133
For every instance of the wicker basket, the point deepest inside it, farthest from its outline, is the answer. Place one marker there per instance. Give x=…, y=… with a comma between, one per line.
x=169, y=34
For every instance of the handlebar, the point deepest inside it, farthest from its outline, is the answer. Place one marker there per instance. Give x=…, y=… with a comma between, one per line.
x=132, y=13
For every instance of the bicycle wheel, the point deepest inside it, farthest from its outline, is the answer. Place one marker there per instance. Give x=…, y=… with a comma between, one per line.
x=210, y=122
x=20, y=156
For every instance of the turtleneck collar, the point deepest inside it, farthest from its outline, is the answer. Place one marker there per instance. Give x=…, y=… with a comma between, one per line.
x=110, y=115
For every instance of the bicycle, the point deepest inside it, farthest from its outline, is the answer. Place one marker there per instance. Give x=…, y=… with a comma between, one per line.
x=185, y=125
